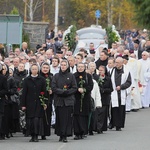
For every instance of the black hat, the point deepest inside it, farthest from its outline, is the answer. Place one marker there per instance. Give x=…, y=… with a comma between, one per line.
x=125, y=57
x=92, y=52
x=38, y=46
x=59, y=52
x=137, y=41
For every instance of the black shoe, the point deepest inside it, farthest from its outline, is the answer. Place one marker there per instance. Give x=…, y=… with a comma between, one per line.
x=60, y=139
x=118, y=129
x=32, y=139
x=77, y=137
x=91, y=133
x=100, y=132
x=135, y=110
x=84, y=136
x=43, y=137
x=7, y=136
x=110, y=126
x=36, y=138
x=65, y=139
x=2, y=138
x=81, y=136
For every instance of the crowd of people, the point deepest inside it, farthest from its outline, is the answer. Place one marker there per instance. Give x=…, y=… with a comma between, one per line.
x=78, y=94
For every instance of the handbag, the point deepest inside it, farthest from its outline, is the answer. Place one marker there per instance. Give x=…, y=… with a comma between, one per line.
x=15, y=98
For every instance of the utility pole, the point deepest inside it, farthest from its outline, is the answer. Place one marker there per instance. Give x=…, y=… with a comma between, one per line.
x=56, y=15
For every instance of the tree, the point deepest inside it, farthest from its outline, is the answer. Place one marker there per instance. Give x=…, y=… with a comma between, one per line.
x=14, y=11
x=142, y=11
x=32, y=7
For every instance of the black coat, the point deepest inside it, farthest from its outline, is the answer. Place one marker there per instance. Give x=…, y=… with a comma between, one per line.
x=32, y=87
x=19, y=77
x=100, y=62
x=12, y=89
x=3, y=92
x=49, y=76
x=88, y=85
x=105, y=90
x=64, y=97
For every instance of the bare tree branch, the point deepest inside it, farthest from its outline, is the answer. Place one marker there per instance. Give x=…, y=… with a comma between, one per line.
x=37, y=5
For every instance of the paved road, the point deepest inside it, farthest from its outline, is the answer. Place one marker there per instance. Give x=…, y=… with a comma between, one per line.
x=135, y=136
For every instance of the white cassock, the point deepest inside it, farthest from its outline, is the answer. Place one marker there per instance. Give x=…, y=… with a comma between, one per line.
x=134, y=67
x=144, y=68
x=146, y=92
x=130, y=67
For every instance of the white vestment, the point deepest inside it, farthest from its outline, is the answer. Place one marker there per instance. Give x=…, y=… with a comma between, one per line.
x=145, y=64
x=124, y=93
x=146, y=90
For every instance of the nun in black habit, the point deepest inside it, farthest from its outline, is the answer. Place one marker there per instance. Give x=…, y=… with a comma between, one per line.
x=34, y=86
x=64, y=87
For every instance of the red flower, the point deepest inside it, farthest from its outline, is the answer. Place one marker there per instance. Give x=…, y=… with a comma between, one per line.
x=42, y=93
x=103, y=75
x=18, y=89
x=46, y=75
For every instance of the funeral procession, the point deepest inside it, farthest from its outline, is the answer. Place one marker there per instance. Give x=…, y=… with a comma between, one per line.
x=74, y=74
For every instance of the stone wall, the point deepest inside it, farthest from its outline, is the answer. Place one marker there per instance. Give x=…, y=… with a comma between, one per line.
x=36, y=32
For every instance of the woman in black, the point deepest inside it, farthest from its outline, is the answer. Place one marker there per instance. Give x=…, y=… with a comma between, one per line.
x=33, y=87
x=3, y=92
x=105, y=85
x=82, y=105
x=64, y=86
x=12, y=104
x=45, y=72
x=19, y=75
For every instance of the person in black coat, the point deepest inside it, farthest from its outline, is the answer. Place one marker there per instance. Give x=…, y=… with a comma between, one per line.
x=103, y=60
x=82, y=105
x=106, y=88
x=3, y=92
x=11, y=112
x=34, y=86
x=45, y=72
x=64, y=86
x=19, y=75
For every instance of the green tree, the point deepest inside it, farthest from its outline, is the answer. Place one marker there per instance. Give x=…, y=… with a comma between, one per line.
x=142, y=12
x=14, y=11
